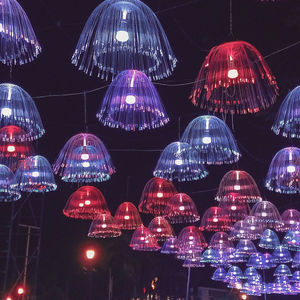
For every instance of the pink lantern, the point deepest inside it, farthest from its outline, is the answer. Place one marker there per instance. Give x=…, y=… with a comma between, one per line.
x=220, y=241
x=290, y=220
x=104, y=226
x=215, y=219
x=161, y=229
x=128, y=217
x=143, y=240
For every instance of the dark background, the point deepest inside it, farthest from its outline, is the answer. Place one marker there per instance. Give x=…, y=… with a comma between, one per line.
x=192, y=30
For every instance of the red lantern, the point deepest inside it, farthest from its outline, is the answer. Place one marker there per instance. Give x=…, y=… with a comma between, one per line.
x=235, y=78
x=128, y=217
x=104, y=226
x=161, y=229
x=156, y=195
x=86, y=203
x=143, y=240
x=215, y=219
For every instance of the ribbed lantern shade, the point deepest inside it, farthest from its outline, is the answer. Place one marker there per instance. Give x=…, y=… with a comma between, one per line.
x=18, y=108
x=128, y=217
x=284, y=172
x=282, y=255
x=213, y=140
x=12, y=152
x=104, y=226
x=179, y=162
x=269, y=240
x=283, y=270
x=182, y=209
x=256, y=261
x=142, y=240
x=296, y=260
x=237, y=257
x=267, y=213
x=155, y=198
x=86, y=203
x=170, y=246
x=84, y=158
x=209, y=256
x=245, y=247
x=193, y=261
x=132, y=103
x=290, y=219
x=222, y=258
x=215, y=219
x=296, y=277
x=234, y=272
x=234, y=79
x=250, y=272
x=219, y=274
x=238, y=185
x=161, y=229
x=8, y=185
x=219, y=241
x=35, y=174
x=270, y=262
x=19, y=44
x=120, y=35
x=291, y=240
x=287, y=122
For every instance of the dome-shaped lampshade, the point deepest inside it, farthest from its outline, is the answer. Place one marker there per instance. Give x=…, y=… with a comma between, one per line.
x=84, y=158
x=235, y=209
x=234, y=272
x=215, y=219
x=245, y=247
x=296, y=260
x=284, y=172
x=296, y=277
x=191, y=239
x=179, y=162
x=161, y=229
x=143, y=240
x=35, y=175
x=12, y=152
x=290, y=219
x=282, y=255
x=86, y=203
x=250, y=272
x=127, y=216
x=222, y=257
x=234, y=79
x=8, y=185
x=132, y=103
x=257, y=261
x=283, y=270
x=219, y=274
x=282, y=286
x=291, y=240
x=19, y=44
x=213, y=140
x=220, y=240
x=104, y=226
x=269, y=240
x=18, y=108
x=287, y=122
x=209, y=256
x=269, y=261
x=238, y=185
x=267, y=213
x=193, y=261
x=156, y=196
x=121, y=35
x=182, y=209
x=170, y=246
x=237, y=257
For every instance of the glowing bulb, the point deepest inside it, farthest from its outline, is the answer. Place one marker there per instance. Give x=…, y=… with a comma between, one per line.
x=233, y=207
x=181, y=208
x=122, y=36
x=142, y=238
x=178, y=162
x=104, y=225
x=172, y=246
x=81, y=205
x=291, y=169
x=293, y=241
x=126, y=217
x=158, y=229
x=252, y=228
x=160, y=195
x=86, y=164
x=11, y=148
x=21, y=291
x=263, y=214
x=90, y=254
x=237, y=187
x=292, y=222
x=215, y=220
x=206, y=140
x=191, y=237
x=6, y=111
x=238, y=286
x=35, y=174
x=85, y=156
x=130, y=99
x=87, y=202
x=233, y=73
x=244, y=297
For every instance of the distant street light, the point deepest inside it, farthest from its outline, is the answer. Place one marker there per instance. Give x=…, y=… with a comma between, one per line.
x=244, y=297
x=21, y=291
x=8, y=298
x=90, y=254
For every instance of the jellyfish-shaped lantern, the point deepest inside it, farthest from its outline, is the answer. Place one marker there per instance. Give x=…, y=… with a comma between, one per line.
x=291, y=240
x=104, y=226
x=219, y=274
x=143, y=240
x=290, y=219
x=215, y=219
x=128, y=217
x=269, y=240
x=283, y=270
x=257, y=261
x=170, y=246
x=132, y=103
x=296, y=277
x=245, y=247
x=296, y=260
x=282, y=255
x=235, y=209
x=35, y=174
x=161, y=229
x=220, y=240
x=9, y=191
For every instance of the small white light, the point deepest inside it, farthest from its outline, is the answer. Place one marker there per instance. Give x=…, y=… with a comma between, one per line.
x=160, y=195
x=178, y=162
x=292, y=222
x=130, y=99
x=35, y=174
x=87, y=202
x=81, y=205
x=85, y=156
x=215, y=220
x=233, y=73
x=233, y=207
x=86, y=164
x=191, y=237
x=206, y=140
x=158, y=229
x=291, y=169
x=122, y=36
x=142, y=238
x=104, y=225
x=237, y=187
x=172, y=246
x=126, y=217
x=181, y=208
x=6, y=111
x=263, y=214
x=11, y=148
x=252, y=228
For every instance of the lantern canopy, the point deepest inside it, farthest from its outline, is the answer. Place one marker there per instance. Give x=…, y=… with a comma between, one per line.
x=219, y=274
x=283, y=270
x=84, y=158
x=122, y=35
x=142, y=240
x=86, y=203
x=235, y=79
x=19, y=44
x=170, y=246
x=282, y=255
x=9, y=191
x=104, y=226
x=128, y=217
x=179, y=162
x=191, y=239
x=284, y=172
x=269, y=240
x=35, y=174
x=213, y=140
x=290, y=219
x=215, y=219
x=161, y=229
x=18, y=108
x=132, y=103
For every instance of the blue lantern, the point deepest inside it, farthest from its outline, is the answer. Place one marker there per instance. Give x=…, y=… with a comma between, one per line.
x=269, y=240
x=8, y=186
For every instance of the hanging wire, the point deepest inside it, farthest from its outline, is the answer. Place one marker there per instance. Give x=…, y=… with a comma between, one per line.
x=230, y=18
x=85, y=112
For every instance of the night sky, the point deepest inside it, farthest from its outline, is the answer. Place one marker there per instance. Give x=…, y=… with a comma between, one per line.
x=192, y=30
